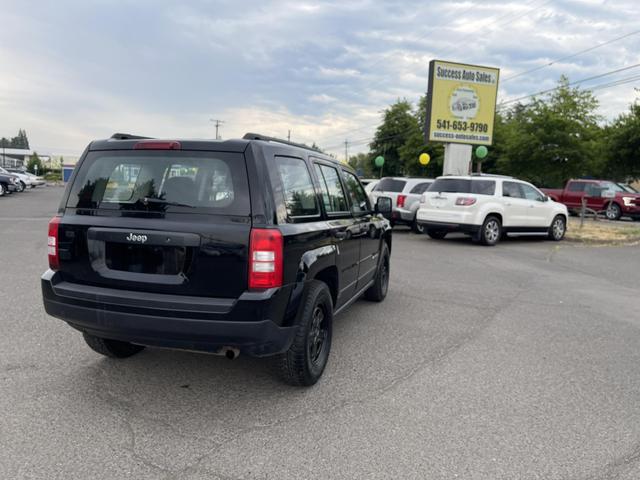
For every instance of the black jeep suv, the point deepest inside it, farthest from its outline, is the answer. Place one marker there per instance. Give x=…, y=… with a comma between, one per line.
x=240, y=246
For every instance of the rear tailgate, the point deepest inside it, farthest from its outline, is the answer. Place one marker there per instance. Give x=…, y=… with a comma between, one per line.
x=164, y=221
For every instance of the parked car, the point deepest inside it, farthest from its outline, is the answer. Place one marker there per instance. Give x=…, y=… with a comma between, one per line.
x=35, y=180
x=488, y=207
x=8, y=183
x=405, y=195
x=601, y=195
x=370, y=186
x=242, y=246
x=23, y=180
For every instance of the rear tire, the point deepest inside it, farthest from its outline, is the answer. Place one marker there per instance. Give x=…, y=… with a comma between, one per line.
x=418, y=227
x=378, y=291
x=306, y=359
x=558, y=228
x=437, y=234
x=111, y=348
x=491, y=231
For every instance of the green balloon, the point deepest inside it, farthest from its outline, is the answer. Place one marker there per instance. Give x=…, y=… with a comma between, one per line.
x=481, y=151
x=379, y=161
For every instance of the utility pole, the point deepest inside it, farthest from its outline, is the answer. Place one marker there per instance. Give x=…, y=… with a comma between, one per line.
x=289, y=136
x=218, y=123
x=346, y=151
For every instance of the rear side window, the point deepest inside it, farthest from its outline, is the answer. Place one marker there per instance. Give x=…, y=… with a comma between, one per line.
x=577, y=186
x=420, y=188
x=192, y=182
x=332, y=194
x=483, y=187
x=390, y=185
x=299, y=194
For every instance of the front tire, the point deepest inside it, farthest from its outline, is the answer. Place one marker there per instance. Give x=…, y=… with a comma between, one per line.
x=378, y=291
x=558, y=228
x=111, y=348
x=3, y=189
x=306, y=359
x=21, y=186
x=491, y=231
x=613, y=211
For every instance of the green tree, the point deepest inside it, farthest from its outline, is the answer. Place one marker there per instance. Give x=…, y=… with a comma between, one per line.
x=34, y=161
x=553, y=138
x=362, y=163
x=622, y=146
x=398, y=125
x=415, y=145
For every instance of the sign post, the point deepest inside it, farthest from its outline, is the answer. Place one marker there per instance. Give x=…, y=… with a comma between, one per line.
x=461, y=105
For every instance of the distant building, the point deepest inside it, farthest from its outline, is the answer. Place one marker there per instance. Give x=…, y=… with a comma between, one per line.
x=14, y=157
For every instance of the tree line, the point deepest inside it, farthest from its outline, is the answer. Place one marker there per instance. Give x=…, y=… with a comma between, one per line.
x=553, y=138
x=19, y=141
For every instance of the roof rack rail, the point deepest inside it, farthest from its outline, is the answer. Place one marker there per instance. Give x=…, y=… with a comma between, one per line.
x=476, y=174
x=127, y=136
x=258, y=136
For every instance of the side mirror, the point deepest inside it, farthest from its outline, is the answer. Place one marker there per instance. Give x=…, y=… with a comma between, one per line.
x=384, y=206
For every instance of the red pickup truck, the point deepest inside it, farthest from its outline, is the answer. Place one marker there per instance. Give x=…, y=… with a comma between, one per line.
x=601, y=195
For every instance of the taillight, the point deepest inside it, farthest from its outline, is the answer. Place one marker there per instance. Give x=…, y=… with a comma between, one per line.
x=52, y=243
x=265, y=258
x=400, y=201
x=465, y=201
x=157, y=145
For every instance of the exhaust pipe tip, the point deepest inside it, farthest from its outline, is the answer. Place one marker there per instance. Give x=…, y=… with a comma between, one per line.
x=231, y=353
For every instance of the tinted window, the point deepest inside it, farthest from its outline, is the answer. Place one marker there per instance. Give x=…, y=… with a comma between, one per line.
x=359, y=199
x=420, y=188
x=531, y=193
x=511, y=189
x=390, y=185
x=483, y=187
x=332, y=194
x=297, y=188
x=191, y=181
x=577, y=186
x=462, y=185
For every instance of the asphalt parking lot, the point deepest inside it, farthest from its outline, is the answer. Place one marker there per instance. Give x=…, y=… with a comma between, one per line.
x=514, y=362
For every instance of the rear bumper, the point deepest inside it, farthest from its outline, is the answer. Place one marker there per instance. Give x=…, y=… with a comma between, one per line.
x=451, y=227
x=171, y=321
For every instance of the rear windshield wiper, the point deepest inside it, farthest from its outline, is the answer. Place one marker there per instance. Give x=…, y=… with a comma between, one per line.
x=158, y=201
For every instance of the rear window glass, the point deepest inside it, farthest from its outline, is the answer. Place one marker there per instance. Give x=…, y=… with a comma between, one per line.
x=462, y=185
x=192, y=182
x=390, y=185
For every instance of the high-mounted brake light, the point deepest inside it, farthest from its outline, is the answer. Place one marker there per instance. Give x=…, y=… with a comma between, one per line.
x=400, y=201
x=157, y=145
x=52, y=243
x=265, y=258
x=465, y=201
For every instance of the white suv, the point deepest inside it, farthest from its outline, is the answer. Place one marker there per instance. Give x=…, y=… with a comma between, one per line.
x=489, y=206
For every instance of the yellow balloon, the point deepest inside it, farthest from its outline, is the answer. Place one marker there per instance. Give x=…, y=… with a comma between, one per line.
x=424, y=159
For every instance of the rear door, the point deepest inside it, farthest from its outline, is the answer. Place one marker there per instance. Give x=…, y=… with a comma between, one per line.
x=163, y=221
x=516, y=206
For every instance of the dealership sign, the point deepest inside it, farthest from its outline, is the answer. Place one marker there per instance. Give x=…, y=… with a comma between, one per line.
x=461, y=103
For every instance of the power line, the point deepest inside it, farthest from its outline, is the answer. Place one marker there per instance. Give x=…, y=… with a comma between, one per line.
x=468, y=35
x=218, y=124
x=542, y=92
x=573, y=55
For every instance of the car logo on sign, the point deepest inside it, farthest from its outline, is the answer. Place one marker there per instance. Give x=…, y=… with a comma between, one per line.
x=136, y=238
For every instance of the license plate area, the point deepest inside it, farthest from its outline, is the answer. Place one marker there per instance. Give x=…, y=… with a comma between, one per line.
x=150, y=259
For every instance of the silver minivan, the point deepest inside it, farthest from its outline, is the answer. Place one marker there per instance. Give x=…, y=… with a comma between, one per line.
x=405, y=193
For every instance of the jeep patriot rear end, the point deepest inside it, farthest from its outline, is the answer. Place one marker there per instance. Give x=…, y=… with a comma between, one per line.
x=241, y=246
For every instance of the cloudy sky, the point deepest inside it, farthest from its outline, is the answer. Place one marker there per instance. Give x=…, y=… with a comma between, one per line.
x=75, y=71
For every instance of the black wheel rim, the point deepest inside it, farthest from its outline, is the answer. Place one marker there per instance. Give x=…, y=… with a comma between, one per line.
x=317, y=334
